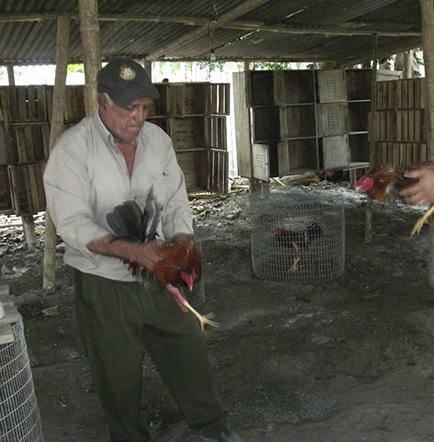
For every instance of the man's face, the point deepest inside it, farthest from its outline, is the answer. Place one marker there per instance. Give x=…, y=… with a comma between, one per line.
x=124, y=123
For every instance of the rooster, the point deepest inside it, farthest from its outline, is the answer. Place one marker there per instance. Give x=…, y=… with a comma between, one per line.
x=385, y=182
x=295, y=240
x=181, y=263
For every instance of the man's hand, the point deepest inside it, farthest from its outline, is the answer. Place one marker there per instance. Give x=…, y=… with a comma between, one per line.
x=145, y=255
x=422, y=192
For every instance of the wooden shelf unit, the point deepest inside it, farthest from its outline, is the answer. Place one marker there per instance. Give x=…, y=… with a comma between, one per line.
x=317, y=118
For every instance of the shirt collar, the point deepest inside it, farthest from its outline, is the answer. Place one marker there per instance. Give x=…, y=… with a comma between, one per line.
x=102, y=130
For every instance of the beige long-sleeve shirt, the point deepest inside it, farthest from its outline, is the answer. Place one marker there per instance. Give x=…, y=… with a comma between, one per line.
x=86, y=177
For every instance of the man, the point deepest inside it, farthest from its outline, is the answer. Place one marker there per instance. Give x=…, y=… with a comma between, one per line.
x=422, y=192
x=107, y=158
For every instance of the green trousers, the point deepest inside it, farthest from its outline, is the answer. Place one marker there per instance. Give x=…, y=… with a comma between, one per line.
x=118, y=320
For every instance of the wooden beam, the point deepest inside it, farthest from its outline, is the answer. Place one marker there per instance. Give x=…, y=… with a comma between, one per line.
x=427, y=13
x=57, y=119
x=90, y=40
x=242, y=25
x=238, y=11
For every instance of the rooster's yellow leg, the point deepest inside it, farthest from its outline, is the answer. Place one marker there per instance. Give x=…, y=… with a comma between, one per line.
x=294, y=266
x=422, y=220
x=203, y=319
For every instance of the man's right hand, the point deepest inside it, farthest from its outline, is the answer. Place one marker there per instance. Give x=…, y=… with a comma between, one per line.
x=145, y=255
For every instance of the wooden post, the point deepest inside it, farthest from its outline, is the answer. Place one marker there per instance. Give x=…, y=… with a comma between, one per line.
x=29, y=231
x=89, y=29
x=427, y=12
x=57, y=120
x=147, y=66
x=408, y=65
x=372, y=125
x=369, y=231
x=11, y=75
x=27, y=220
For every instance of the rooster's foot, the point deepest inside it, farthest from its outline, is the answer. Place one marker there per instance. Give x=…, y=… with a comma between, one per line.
x=421, y=221
x=294, y=267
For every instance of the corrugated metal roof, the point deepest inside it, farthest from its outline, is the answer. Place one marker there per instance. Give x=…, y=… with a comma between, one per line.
x=261, y=33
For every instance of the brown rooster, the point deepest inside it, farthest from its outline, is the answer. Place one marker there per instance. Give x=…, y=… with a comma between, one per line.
x=181, y=263
x=384, y=183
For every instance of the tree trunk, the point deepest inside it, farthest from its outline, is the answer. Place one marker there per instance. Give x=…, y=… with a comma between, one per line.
x=62, y=46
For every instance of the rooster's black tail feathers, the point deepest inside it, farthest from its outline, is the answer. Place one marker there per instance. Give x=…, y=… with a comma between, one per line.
x=128, y=222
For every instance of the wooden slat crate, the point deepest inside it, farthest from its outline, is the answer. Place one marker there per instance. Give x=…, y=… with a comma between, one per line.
x=261, y=88
x=27, y=190
x=215, y=132
x=187, y=99
x=187, y=132
x=297, y=121
x=359, y=148
x=358, y=114
x=297, y=154
x=162, y=122
x=358, y=84
x=194, y=166
x=334, y=152
x=400, y=154
x=5, y=198
x=331, y=86
x=218, y=165
x=31, y=142
x=25, y=115
x=160, y=107
x=74, y=104
x=332, y=119
x=265, y=122
x=293, y=87
x=217, y=99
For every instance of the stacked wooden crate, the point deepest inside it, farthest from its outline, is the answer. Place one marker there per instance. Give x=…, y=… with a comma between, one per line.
x=305, y=120
x=25, y=132
x=400, y=122
x=194, y=115
x=25, y=119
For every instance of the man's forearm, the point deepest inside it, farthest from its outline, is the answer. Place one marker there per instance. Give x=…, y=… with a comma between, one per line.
x=144, y=254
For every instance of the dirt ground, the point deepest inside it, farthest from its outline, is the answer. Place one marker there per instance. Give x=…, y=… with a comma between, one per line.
x=345, y=360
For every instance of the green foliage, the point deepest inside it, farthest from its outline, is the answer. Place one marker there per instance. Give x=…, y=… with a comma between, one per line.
x=76, y=67
x=271, y=65
x=211, y=65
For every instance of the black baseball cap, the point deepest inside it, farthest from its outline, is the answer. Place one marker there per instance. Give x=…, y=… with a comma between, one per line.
x=125, y=81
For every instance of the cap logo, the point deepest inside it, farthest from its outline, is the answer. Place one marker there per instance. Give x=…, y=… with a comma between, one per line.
x=127, y=73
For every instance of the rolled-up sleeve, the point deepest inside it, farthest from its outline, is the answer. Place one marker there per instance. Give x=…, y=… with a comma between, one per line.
x=68, y=193
x=177, y=214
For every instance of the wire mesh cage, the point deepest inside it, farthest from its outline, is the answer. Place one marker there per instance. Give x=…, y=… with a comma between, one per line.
x=297, y=237
x=19, y=413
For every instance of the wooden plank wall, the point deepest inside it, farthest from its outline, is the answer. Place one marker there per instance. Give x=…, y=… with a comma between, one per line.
x=400, y=120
